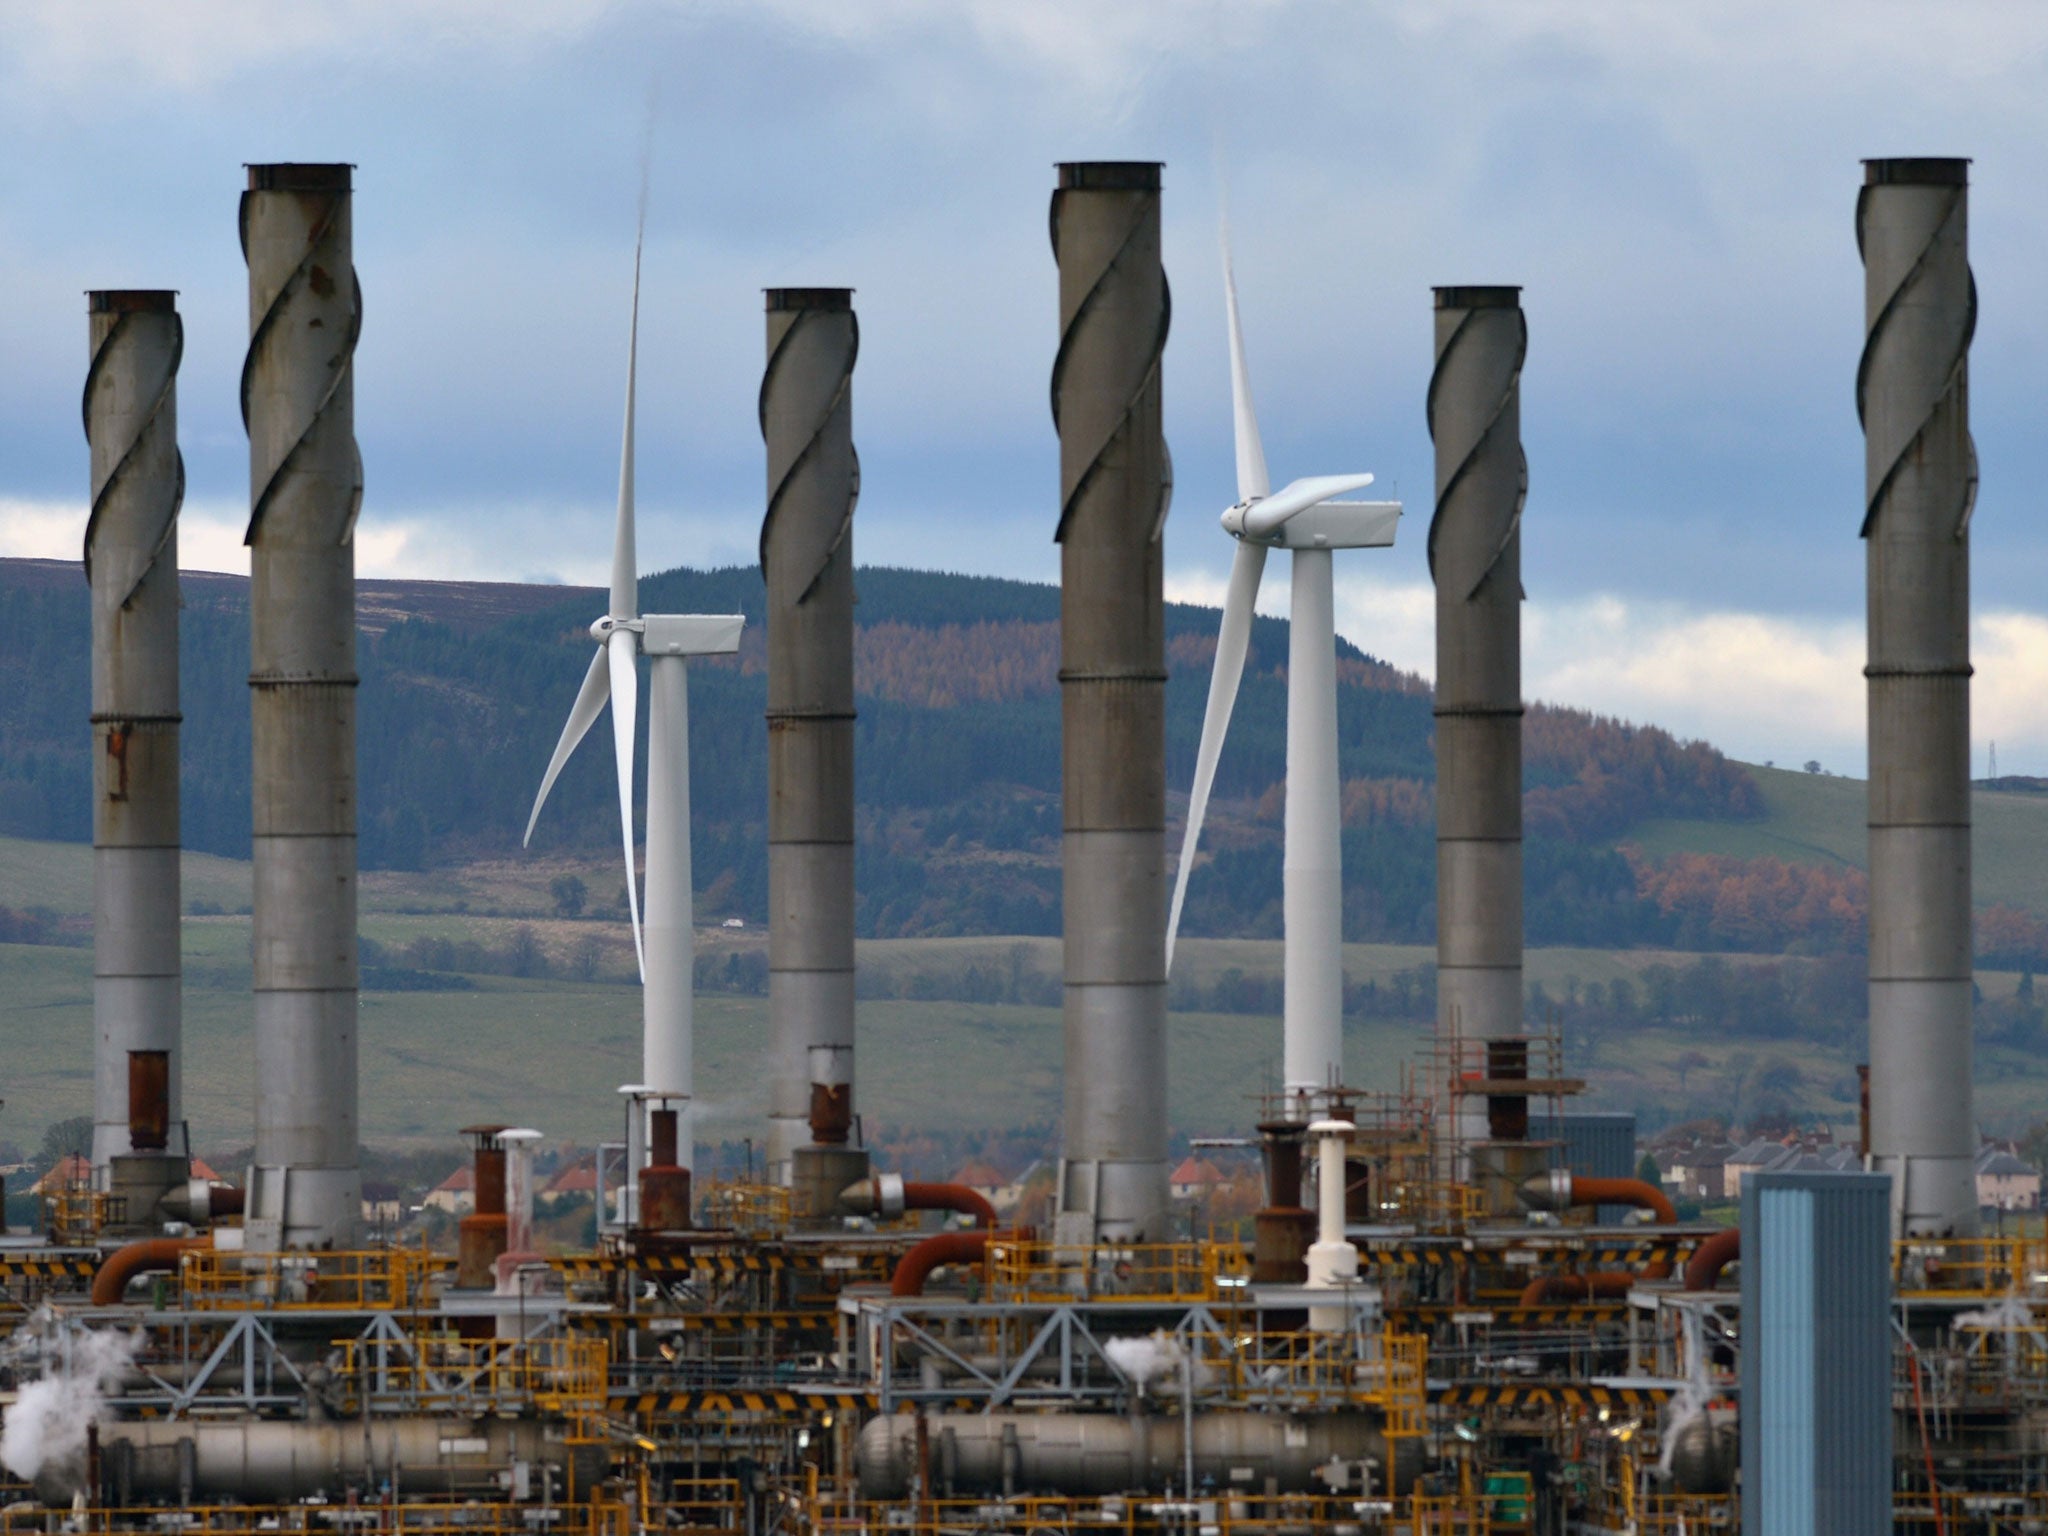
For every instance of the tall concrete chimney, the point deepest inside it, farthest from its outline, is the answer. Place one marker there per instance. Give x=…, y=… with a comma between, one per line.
x=1920, y=478
x=131, y=562
x=306, y=486
x=1115, y=483
x=807, y=563
x=1475, y=556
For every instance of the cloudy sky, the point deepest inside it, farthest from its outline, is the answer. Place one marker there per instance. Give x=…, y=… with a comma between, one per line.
x=1671, y=184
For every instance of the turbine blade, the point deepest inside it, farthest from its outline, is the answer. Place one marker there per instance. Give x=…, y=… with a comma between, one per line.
x=1233, y=638
x=625, y=719
x=1252, y=479
x=625, y=595
x=1297, y=496
x=589, y=700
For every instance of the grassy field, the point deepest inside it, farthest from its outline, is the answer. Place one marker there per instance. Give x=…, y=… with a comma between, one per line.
x=1815, y=818
x=552, y=1052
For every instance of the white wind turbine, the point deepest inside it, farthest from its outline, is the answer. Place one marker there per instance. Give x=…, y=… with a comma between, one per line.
x=1306, y=520
x=667, y=955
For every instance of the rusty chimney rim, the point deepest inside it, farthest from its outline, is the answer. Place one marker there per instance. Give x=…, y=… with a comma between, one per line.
x=298, y=176
x=1916, y=171
x=130, y=301
x=1479, y=296
x=783, y=299
x=1110, y=175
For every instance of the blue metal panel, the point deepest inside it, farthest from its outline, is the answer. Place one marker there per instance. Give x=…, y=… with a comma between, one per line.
x=1816, y=1354
x=1596, y=1145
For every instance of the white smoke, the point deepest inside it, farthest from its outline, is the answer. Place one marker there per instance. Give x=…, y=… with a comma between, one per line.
x=47, y=1426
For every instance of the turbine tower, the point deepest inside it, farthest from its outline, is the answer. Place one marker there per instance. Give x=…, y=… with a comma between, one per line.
x=667, y=952
x=1306, y=520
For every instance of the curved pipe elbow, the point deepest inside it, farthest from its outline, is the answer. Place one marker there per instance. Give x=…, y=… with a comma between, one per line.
x=1558, y=1190
x=950, y=1197
x=941, y=1248
x=1604, y=1286
x=887, y=1194
x=1642, y=1195
x=148, y=1256
x=1703, y=1269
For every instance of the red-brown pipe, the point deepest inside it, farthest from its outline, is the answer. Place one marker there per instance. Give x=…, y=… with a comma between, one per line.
x=124, y=1264
x=1601, y=1286
x=1703, y=1269
x=1611, y=1284
x=1633, y=1192
x=940, y=1248
x=949, y=1197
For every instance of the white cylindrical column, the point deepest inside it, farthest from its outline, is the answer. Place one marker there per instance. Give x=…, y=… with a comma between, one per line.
x=1313, y=873
x=667, y=1040
x=519, y=1146
x=1332, y=1261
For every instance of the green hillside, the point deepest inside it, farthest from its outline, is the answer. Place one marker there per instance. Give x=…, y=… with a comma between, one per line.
x=958, y=1035
x=1813, y=818
x=465, y=686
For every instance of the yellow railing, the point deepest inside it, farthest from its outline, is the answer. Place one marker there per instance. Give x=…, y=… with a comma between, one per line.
x=375, y=1280
x=1388, y=1370
x=75, y=1214
x=1214, y=1515
x=696, y=1504
x=555, y=1375
x=594, y=1518
x=1959, y=1513
x=1974, y=1266
x=1135, y=1272
x=752, y=1210
x=1682, y=1514
x=1429, y=1205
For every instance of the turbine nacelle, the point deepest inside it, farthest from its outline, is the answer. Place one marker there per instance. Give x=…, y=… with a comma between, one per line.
x=1319, y=525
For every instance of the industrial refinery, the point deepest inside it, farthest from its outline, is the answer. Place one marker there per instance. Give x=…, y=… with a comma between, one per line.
x=1454, y=1312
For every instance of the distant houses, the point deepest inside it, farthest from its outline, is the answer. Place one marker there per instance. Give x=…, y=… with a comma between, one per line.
x=2005, y=1182
x=1712, y=1172
x=1195, y=1178
x=455, y=1194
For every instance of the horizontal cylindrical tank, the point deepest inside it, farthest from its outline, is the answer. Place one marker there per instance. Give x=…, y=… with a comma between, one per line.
x=274, y=1460
x=1099, y=1453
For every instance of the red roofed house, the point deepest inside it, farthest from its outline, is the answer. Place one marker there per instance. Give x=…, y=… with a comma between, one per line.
x=455, y=1194
x=987, y=1181
x=1194, y=1178
x=69, y=1172
x=578, y=1179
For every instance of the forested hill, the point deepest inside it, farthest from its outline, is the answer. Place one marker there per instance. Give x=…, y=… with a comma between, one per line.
x=465, y=686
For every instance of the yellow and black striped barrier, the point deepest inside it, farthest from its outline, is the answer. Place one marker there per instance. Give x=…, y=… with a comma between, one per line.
x=1550, y=1397
x=645, y=1403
